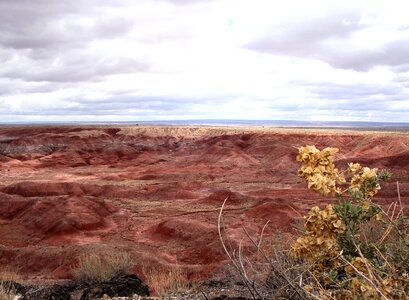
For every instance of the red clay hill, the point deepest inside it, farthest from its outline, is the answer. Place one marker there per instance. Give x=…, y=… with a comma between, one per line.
x=155, y=192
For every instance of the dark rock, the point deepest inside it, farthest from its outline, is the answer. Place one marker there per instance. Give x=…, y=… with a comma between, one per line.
x=16, y=287
x=122, y=286
x=60, y=293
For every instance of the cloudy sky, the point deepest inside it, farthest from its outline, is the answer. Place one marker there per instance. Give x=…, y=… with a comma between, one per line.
x=128, y=60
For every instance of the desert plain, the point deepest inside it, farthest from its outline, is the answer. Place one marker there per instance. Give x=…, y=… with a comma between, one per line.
x=155, y=191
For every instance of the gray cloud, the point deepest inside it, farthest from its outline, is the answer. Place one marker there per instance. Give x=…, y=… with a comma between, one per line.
x=74, y=67
x=50, y=24
x=353, y=91
x=393, y=54
x=304, y=39
x=48, y=41
x=326, y=38
x=357, y=97
x=114, y=105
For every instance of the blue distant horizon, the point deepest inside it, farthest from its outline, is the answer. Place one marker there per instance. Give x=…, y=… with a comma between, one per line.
x=227, y=122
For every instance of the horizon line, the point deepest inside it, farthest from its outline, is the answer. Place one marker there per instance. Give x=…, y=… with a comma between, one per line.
x=225, y=122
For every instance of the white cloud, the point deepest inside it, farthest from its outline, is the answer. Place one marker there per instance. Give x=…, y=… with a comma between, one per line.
x=237, y=59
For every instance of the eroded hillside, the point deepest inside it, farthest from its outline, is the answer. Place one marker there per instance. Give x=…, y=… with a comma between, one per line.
x=155, y=191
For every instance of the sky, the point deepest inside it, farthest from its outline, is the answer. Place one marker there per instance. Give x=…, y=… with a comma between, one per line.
x=139, y=60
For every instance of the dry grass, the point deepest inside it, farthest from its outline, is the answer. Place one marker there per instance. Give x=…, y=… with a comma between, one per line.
x=96, y=267
x=167, y=281
x=7, y=291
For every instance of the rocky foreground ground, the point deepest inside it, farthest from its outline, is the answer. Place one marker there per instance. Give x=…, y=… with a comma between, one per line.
x=124, y=287
x=155, y=192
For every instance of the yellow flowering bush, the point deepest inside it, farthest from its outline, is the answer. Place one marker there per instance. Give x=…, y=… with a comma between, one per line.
x=318, y=169
x=361, y=179
x=344, y=264
x=320, y=239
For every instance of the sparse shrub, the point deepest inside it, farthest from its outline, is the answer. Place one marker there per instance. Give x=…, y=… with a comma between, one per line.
x=266, y=269
x=351, y=249
x=97, y=267
x=167, y=281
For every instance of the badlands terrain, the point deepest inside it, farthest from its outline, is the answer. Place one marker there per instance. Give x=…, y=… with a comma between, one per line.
x=155, y=192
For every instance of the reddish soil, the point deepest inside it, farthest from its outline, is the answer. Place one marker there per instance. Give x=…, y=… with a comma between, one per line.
x=156, y=191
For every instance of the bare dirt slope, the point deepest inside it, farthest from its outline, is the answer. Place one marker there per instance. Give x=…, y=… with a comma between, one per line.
x=155, y=191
